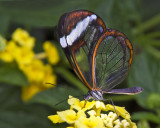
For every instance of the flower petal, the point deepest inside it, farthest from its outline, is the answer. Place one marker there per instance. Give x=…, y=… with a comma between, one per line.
x=80, y=105
x=23, y=38
x=55, y=119
x=29, y=91
x=92, y=122
x=7, y=54
x=68, y=116
x=51, y=52
x=120, y=111
x=92, y=113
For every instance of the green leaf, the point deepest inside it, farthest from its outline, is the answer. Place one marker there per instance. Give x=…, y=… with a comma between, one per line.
x=145, y=72
x=9, y=119
x=151, y=23
x=17, y=114
x=54, y=96
x=127, y=15
x=154, y=51
x=4, y=24
x=143, y=124
x=10, y=74
x=47, y=13
x=146, y=116
x=153, y=100
x=38, y=13
x=2, y=43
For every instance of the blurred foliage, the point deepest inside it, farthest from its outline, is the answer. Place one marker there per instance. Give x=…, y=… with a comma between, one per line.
x=10, y=74
x=148, y=65
x=143, y=124
x=55, y=96
x=2, y=43
x=138, y=19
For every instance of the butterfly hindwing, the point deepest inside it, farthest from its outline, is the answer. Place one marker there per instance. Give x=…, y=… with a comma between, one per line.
x=113, y=56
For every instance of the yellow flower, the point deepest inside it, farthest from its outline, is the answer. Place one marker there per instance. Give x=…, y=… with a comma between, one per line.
x=69, y=116
x=109, y=119
x=49, y=77
x=20, y=49
x=7, y=54
x=37, y=73
x=120, y=111
x=92, y=113
x=80, y=116
x=34, y=71
x=91, y=122
x=51, y=52
x=23, y=55
x=22, y=52
x=23, y=38
x=80, y=105
x=55, y=119
x=98, y=107
x=29, y=91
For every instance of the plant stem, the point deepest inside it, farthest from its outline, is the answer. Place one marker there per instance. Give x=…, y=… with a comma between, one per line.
x=147, y=25
x=70, y=78
x=153, y=34
x=153, y=51
x=41, y=55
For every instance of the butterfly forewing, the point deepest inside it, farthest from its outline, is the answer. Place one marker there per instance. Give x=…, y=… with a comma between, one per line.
x=84, y=54
x=79, y=32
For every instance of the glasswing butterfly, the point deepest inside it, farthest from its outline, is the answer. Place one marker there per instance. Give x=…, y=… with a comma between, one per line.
x=100, y=57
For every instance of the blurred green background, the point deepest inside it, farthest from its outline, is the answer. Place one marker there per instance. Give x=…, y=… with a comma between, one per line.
x=138, y=19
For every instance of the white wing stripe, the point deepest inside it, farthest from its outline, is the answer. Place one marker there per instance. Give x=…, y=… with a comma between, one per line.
x=75, y=33
x=63, y=42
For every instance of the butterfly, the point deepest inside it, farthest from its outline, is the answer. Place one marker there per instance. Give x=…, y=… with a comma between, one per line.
x=100, y=57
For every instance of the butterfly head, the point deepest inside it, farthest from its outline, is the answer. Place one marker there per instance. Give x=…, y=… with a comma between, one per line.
x=94, y=94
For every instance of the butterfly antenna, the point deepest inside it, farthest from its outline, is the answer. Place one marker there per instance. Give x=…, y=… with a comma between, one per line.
x=51, y=84
x=61, y=101
x=113, y=106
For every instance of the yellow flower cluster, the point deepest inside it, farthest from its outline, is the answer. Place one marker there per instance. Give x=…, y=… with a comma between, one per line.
x=94, y=114
x=20, y=50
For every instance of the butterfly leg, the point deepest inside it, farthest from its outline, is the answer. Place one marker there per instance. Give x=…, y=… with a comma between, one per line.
x=113, y=106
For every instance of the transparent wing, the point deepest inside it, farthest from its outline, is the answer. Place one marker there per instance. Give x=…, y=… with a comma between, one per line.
x=113, y=59
x=80, y=51
x=83, y=55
